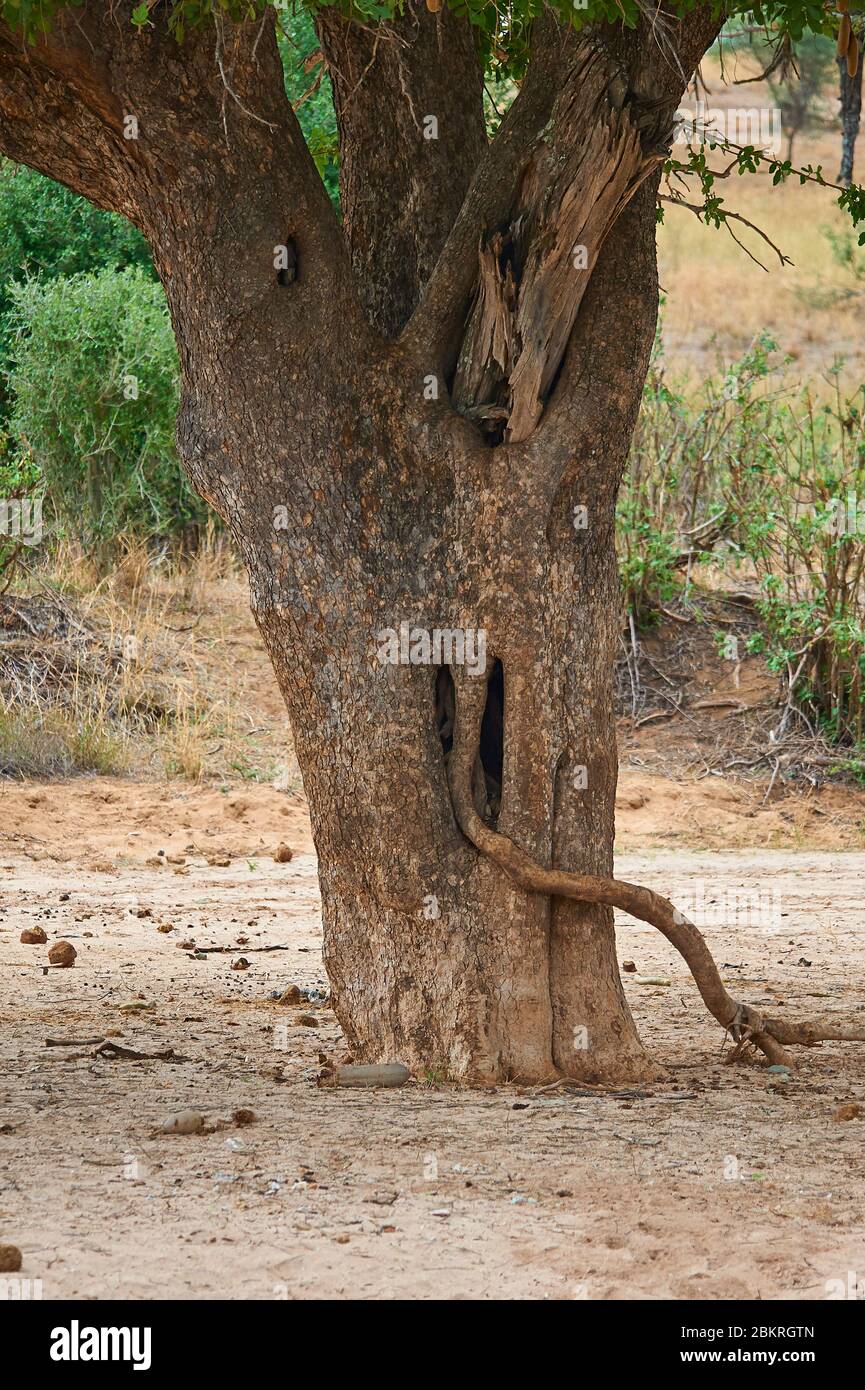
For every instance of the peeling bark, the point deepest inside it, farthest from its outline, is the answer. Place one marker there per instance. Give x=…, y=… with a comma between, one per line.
x=533, y=273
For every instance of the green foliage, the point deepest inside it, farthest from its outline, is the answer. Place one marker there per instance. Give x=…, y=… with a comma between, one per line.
x=757, y=478
x=94, y=390
x=671, y=507
x=502, y=28
x=47, y=231
x=797, y=510
x=307, y=86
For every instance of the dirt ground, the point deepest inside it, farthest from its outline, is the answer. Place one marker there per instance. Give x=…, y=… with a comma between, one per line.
x=719, y=1182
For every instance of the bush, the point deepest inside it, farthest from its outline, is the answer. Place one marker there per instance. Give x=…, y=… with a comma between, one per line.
x=308, y=88
x=798, y=511
x=672, y=509
x=46, y=231
x=749, y=464
x=94, y=388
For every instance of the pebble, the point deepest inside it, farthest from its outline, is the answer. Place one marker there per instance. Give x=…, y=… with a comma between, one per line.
x=33, y=936
x=186, y=1122
x=10, y=1259
x=62, y=953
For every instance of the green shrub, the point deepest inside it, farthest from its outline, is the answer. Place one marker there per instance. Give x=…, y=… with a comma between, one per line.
x=749, y=463
x=94, y=398
x=46, y=231
x=797, y=506
x=672, y=509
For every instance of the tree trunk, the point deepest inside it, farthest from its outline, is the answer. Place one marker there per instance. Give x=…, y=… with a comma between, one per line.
x=851, y=111
x=457, y=479
x=434, y=956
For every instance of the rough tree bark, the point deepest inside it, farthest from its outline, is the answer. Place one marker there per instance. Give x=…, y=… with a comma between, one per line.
x=425, y=424
x=851, y=113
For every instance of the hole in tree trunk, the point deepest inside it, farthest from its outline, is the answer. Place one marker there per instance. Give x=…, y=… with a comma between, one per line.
x=490, y=759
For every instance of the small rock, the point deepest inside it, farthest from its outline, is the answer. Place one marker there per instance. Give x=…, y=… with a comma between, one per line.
x=629, y=967
x=33, y=936
x=282, y=854
x=240, y=964
x=244, y=1117
x=850, y=1111
x=10, y=1259
x=186, y=945
x=291, y=996
x=165, y=928
x=218, y=859
x=62, y=953
x=186, y=1122
x=307, y=1021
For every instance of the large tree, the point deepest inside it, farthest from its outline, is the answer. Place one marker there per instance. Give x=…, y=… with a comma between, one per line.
x=418, y=416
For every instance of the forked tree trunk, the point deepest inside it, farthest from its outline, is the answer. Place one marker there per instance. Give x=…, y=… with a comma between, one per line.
x=435, y=957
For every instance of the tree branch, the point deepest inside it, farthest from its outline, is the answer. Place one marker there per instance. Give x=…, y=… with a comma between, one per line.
x=591, y=124
x=408, y=96
x=148, y=127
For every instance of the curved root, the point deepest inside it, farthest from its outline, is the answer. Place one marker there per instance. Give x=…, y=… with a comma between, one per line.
x=741, y=1021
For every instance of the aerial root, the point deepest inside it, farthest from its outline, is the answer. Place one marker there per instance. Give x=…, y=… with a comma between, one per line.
x=742, y=1022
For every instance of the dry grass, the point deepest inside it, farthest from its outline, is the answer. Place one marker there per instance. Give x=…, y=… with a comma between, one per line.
x=718, y=300
x=129, y=672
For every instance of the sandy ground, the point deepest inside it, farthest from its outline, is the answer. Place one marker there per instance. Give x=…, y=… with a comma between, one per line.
x=720, y=1182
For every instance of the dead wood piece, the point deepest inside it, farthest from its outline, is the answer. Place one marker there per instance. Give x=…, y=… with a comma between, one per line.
x=231, y=950
x=114, y=1052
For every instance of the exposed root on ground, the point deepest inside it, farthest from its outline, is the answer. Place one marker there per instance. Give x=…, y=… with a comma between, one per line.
x=743, y=1022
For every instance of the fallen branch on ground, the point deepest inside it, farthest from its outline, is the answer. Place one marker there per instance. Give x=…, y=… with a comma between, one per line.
x=114, y=1053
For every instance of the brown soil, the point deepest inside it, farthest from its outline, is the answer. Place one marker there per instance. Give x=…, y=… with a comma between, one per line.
x=722, y=1181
